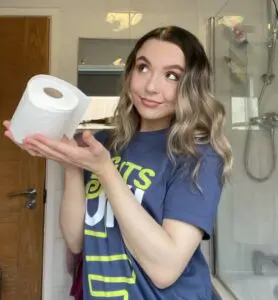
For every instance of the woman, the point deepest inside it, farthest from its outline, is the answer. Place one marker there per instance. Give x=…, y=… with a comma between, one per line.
x=152, y=185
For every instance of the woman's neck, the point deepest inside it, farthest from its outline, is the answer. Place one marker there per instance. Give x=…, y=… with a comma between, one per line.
x=154, y=125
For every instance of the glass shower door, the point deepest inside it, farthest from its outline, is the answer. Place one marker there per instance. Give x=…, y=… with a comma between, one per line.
x=245, y=243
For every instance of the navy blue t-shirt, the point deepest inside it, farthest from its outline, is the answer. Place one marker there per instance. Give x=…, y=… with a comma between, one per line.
x=165, y=190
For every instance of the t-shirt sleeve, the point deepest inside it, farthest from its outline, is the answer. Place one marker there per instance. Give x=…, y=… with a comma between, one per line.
x=196, y=203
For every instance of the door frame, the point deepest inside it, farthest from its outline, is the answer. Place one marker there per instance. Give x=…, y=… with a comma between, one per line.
x=51, y=170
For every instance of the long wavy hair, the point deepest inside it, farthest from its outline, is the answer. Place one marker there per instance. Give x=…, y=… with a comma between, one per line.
x=199, y=117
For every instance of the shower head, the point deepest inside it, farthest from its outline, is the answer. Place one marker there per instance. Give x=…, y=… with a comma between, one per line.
x=269, y=76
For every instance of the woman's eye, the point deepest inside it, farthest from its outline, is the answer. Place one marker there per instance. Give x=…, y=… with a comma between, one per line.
x=142, y=68
x=172, y=76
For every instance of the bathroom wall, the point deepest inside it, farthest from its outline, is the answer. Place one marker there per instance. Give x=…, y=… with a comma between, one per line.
x=86, y=18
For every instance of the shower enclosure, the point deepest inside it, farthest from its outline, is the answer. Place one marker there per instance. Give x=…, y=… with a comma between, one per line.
x=243, y=53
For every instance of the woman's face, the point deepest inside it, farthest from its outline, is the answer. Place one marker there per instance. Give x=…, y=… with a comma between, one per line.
x=154, y=81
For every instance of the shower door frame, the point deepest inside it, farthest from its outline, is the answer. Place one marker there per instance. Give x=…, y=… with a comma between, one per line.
x=223, y=290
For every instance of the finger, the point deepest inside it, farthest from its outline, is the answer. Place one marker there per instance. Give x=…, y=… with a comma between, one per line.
x=9, y=135
x=56, y=150
x=79, y=140
x=40, y=153
x=91, y=141
x=47, y=144
x=7, y=124
x=34, y=153
x=45, y=150
x=32, y=150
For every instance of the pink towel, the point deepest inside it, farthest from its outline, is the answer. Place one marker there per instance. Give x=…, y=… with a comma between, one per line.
x=74, y=264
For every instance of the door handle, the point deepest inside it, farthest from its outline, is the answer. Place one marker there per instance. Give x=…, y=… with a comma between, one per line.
x=28, y=192
x=31, y=195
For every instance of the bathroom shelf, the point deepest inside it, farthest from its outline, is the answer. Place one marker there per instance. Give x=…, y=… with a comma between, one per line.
x=84, y=69
x=93, y=127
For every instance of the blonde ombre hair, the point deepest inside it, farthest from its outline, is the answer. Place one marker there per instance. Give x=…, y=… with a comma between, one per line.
x=199, y=117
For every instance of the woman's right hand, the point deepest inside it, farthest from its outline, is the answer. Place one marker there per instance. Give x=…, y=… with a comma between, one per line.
x=77, y=140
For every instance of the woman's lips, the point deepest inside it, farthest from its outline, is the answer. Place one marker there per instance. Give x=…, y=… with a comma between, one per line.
x=149, y=102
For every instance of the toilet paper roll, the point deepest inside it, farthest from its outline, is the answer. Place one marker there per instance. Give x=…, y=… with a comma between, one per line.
x=49, y=106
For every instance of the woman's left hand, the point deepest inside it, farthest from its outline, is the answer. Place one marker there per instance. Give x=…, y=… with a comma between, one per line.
x=93, y=157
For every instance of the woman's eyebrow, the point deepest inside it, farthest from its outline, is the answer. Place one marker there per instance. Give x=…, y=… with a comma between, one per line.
x=176, y=66
x=144, y=58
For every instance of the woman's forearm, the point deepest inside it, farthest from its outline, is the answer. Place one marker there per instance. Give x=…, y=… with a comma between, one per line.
x=72, y=209
x=147, y=240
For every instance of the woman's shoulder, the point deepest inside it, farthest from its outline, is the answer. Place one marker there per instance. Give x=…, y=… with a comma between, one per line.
x=206, y=156
x=206, y=150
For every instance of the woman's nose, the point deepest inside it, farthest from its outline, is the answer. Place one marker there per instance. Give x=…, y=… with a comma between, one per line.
x=152, y=85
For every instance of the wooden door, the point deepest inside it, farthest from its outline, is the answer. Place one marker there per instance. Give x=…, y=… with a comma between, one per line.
x=24, y=52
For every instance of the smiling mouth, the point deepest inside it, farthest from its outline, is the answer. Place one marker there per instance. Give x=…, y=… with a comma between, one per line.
x=149, y=102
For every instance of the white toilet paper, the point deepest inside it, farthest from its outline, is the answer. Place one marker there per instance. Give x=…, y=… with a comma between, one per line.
x=49, y=106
